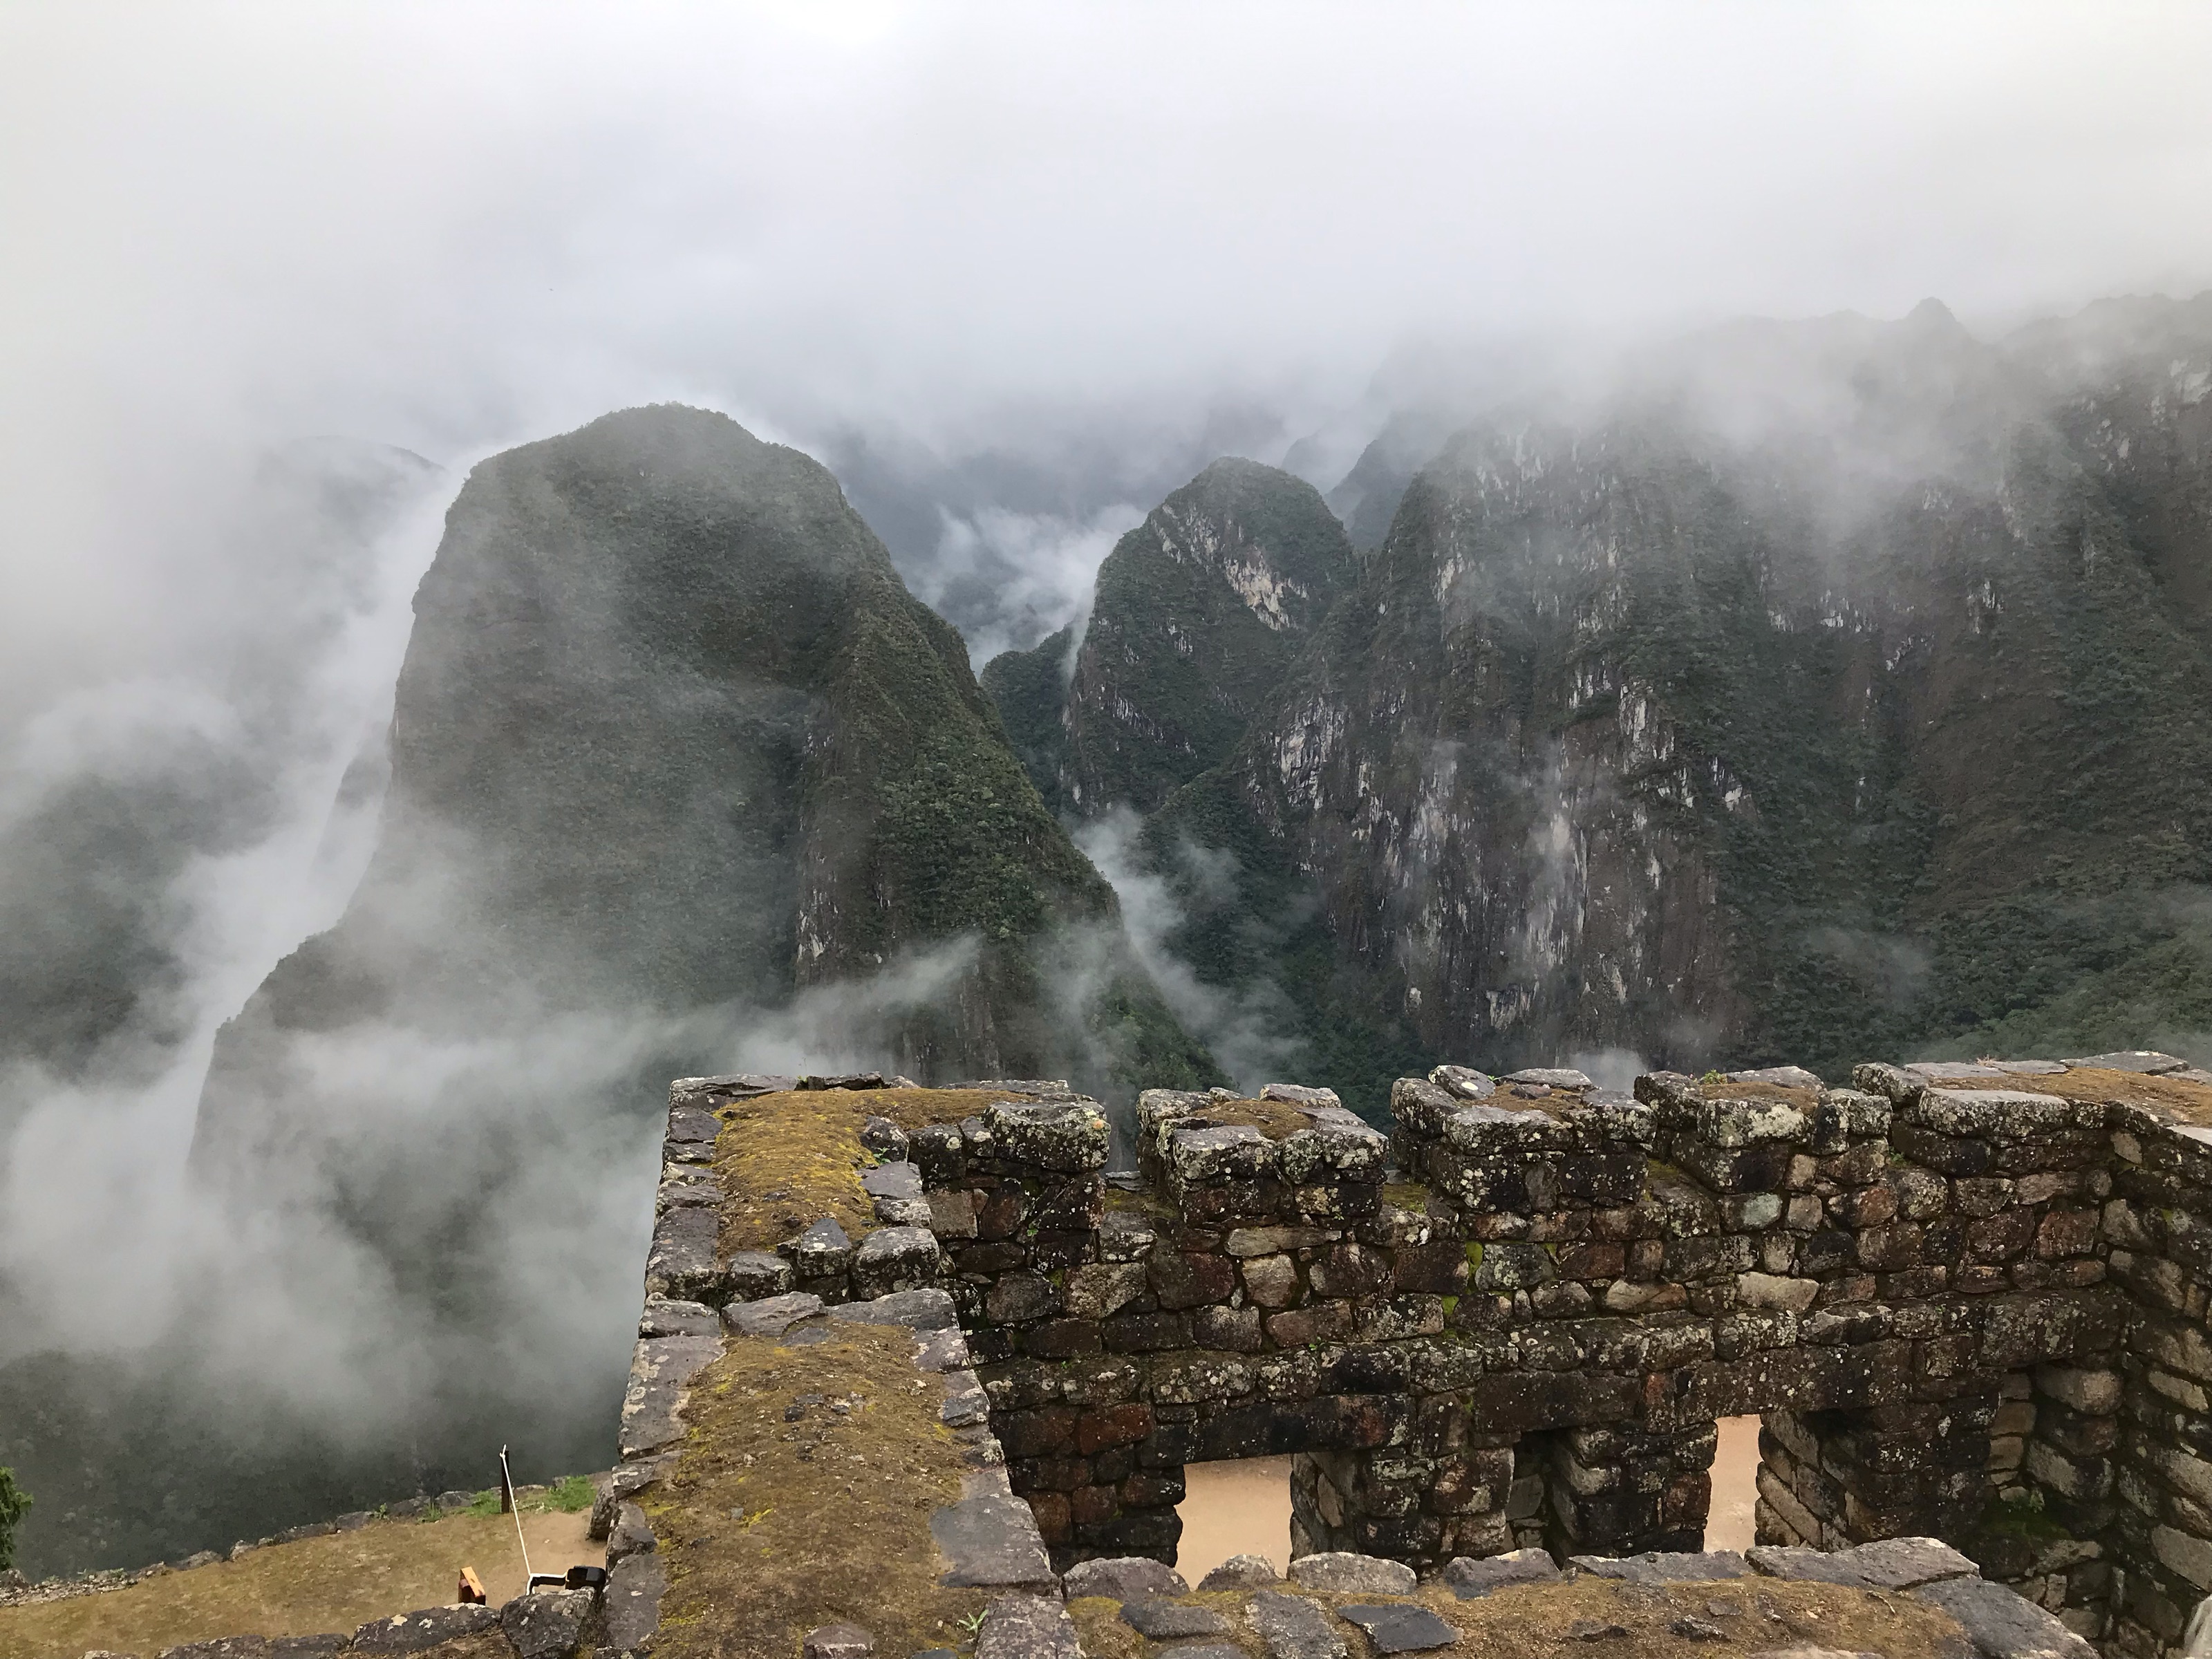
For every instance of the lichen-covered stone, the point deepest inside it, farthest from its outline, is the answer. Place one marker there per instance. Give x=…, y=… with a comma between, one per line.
x=548, y=1624
x=1293, y=1627
x=1468, y=1577
x=771, y=1315
x=1240, y=1572
x=1125, y=1578
x=1341, y=1572
x=1399, y=1627
x=412, y=1633
x=1027, y=1627
x=1063, y=1136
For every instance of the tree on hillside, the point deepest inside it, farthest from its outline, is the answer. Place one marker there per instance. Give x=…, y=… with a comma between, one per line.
x=14, y=1500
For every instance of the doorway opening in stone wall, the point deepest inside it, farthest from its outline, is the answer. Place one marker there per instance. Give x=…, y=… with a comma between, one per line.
x=1732, y=1522
x=1241, y=1507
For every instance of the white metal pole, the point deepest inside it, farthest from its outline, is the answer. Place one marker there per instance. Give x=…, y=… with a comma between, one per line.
x=506, y=1475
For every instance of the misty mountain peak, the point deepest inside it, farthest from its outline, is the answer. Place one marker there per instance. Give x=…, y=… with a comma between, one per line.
x=671, y=735
x=1932, y=316
x=1197, y=612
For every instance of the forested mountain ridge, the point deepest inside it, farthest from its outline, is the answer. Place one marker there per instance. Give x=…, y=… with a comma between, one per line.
x=1826, y=690
x=1195, y=613
x=671, y=734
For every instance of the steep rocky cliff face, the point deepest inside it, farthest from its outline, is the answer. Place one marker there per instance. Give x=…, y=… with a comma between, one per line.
x=671, y=736
x=1197, y=613
x=1830, y=689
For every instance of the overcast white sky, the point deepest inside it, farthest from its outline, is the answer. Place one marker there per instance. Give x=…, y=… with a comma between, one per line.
x=455, y=226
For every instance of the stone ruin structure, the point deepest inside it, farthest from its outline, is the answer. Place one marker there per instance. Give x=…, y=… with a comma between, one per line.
x=1967, y=1302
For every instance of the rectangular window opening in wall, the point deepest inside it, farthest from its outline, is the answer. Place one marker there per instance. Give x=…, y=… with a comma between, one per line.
x=1238, y=1507
x=1731, y=1523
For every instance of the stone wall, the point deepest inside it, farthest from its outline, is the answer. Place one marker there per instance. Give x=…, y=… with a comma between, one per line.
x=1965, y=1308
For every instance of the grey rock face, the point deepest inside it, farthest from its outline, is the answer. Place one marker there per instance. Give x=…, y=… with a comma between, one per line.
x=1551, y=1077
x=1242, y=1572
x=837, y=1642
x=1463, y=1081
x=754, y=1274
x=942, y=1350
x=2133, y=1060
x=771, y=1315
x=631, y=1534
x=917, y=1310
x=1027, y=1627
x=1666, y=1567
x=822, y=1251
x=1067, y=1136
x=548, y=1624
x=615, y=1488
x=991, y=1538
x=1166, y=1621
x=1468, y=1576
x=659, y=1372
x=411, y=1632
x=1294, y=1627
x=1892, y=1564
x=2002, y=1623
x=1397, y=1627
x=1124, y=1578
x=1340, y=1572
x=894, y=1259
x=632, y=1604
x=899, y=1180
x=664, y=1317
x=681, y=1262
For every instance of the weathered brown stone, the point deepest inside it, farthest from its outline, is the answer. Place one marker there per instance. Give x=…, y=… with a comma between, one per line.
x=1597, y=1259
x=1236, y=1329
x=1438, y=1269
x=1061, y=1339
x=1352, y=1270
x=1145, y=1332
x=1053, y=1516
x=2066, y=1233
x=1272, y=1281
x=998, y=1212
x=1190, y=1280
x=1036, y=1433
x=1116, y=1426
x=1317, y=1321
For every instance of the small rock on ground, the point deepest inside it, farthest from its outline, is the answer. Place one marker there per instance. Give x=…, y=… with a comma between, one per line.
x=547, y=1624
x=2003, y=1624
x=1666, y=1566
x=837, y=1642
x=1027, y=1627
x=1339, y=1572
x=1242, y=1572
x=1398, y=1628
x=1468, y=1576
x=1124, y=1578
x=1293, y=1627
x=1165, y=1621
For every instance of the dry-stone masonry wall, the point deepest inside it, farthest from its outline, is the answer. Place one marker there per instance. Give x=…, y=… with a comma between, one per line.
x=1966, y=1301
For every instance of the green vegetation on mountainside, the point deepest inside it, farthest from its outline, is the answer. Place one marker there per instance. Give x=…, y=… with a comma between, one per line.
x=1030, y=691
x=1196, y=613
x=1735, y=751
